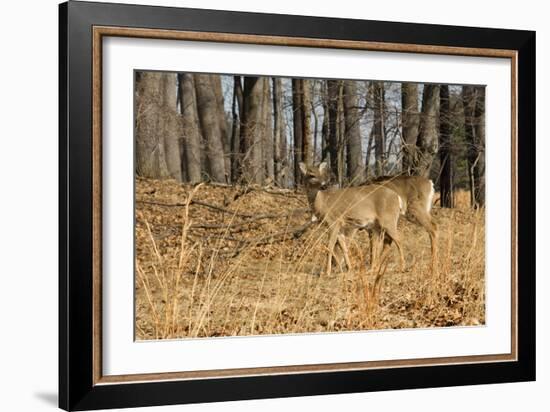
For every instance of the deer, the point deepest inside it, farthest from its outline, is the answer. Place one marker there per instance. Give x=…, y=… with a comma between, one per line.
x=417, y=193
x=373, y=207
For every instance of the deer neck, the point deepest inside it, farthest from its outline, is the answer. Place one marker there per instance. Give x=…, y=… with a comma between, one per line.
x=316, y=200
x=311, y=193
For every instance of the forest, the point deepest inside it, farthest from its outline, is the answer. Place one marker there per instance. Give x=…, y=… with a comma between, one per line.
x=225, y=237
x=256, y=130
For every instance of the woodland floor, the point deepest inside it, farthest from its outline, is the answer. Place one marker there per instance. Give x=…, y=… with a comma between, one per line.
x=249, y=261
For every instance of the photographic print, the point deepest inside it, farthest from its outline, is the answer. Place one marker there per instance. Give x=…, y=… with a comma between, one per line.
x=241, y=193
x=275, y=205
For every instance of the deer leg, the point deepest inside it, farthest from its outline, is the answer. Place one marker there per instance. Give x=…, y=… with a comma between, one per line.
x=333, y=237
x=388, y=240
x=393, y=236
x=340, y=256
x=371, y=247
x=425, y=220
x=386, y=246
x=345, y=251
x=374, y=235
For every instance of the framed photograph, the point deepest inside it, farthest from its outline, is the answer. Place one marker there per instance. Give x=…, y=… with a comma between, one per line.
x=256, y=206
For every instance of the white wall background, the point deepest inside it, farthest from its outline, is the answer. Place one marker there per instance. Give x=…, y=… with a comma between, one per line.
x=28, y=206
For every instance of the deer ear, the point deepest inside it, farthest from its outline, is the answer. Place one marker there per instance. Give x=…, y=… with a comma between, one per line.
x=303, y=168
x=323, y=167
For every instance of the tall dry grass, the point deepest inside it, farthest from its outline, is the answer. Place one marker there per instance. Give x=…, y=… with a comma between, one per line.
x=191, y=283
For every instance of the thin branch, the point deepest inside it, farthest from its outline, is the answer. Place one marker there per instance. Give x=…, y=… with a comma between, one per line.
x=223, y=209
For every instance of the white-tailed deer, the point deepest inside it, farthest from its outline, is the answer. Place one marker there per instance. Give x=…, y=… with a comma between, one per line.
x=417, y=193
x=373, y=207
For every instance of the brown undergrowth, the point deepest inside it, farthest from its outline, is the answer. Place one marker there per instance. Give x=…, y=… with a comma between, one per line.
x=225, y=261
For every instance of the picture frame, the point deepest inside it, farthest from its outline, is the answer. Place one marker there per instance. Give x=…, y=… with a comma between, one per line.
x=82, y=28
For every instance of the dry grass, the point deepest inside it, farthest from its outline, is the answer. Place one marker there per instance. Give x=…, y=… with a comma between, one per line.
x=191, y=282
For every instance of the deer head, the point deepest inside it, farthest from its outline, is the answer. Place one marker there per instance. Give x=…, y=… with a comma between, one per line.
x=315, y=178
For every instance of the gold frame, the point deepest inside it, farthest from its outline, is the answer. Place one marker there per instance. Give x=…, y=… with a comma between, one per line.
x=101, y=31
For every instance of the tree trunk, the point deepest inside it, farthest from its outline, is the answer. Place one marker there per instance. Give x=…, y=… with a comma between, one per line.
x=428, y=141
x=268, y=144
x=445, y=149
x=325, y=127
x=279, y=135
x=251, y=130
x=171, y=125
x=303, y=139
x=333, y=91
x=341, y=136
x=315, y=130
x=297, y=118
x=473, y=98
x=410, y=120
x=353, y=133
x=191, y=128
x=307, y=138
x=479, y=168
x=368, y=156
x=284, y=150
x=150, y=145
x=224, y=129
x=210, y=126
x=236, y=112
x=379, y=128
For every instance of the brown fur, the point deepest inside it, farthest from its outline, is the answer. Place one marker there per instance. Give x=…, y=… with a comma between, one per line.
x=417, y=195
x=373, y=207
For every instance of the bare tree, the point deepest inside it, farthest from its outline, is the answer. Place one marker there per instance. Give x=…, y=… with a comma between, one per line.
x=353, y=133
x=171, y=124
x=268, y=143
x=341, y=129
x=370, y=145
x=237, y=113
x=191, y=128
x=210, y=126
x=410, y=121
x=479, y=168
x=307, y=136
x=445, y=149
x=473, y=98
x=315, y=92
x=251, y=130
x=334, y=103
x=325, y=127
x=224, y=125
x=428, y=141
x=150, y=145
x=298, y=130
x=379, y=129
x=279, y=135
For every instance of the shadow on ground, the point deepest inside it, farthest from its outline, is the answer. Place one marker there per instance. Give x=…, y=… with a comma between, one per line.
x=49, y=398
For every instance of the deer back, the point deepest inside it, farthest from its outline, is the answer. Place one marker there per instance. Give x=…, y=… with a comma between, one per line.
x=412, y=189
